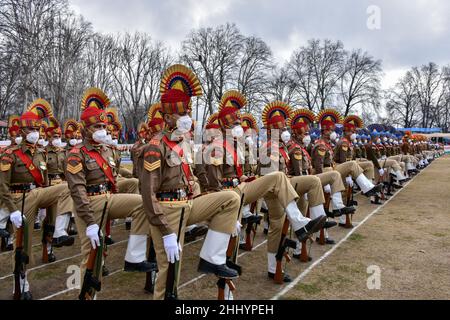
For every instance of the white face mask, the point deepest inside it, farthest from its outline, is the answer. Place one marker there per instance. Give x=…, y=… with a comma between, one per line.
x=307, y=140
x=249, y=141
x=18, y=140
x=100, y=136
x=286, y=136
x=378, y=140
x=33, y=137
x=73, y=142
x=355, y=141
x=57, y=142
x=364, y=141
x=390, y=140
x=79, y=141
x=333, y=136
x=353, y=137
x=385, y=139
x=237, y=132
x=115, y=142
x=184, y=124
x=41, y=142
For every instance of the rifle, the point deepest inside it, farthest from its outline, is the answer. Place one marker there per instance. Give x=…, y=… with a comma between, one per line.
x=348, y=220
x=304, y=256
x=172, y=272
x=232, y=255
x=252, y=224
x=322, y=239
x=47, y=232
x=21, y=259
x=285, y=243
x=91, y=282
x=150, y=278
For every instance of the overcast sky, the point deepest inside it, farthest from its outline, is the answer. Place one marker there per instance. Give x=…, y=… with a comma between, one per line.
x=410, y=32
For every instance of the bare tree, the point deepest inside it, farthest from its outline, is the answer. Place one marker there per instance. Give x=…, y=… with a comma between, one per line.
x=27, y=25
x=360, y=80
x=212, y=54
x=326, y=60
x=137, y=74
x=403, y=103
x=254, y=64
x=70, y=36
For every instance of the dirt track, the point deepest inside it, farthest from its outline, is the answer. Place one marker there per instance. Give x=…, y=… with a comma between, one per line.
x=406, y=239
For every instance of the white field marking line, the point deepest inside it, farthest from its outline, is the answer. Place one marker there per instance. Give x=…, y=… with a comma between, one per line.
x=203, y=275
x=111, y=274
x=75, y=288
x=77, y=255
x=40, y=244
x=329, y=252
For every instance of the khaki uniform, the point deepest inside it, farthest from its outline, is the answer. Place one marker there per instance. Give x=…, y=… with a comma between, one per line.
x=323, y=154
x=90, y=189
x=344, y=152
x=14, y=175
x=275, y=188
x=166, y=189
x=301, y=166
x=55, y=165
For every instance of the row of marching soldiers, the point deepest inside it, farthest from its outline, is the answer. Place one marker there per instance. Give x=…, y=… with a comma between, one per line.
x=237, y=177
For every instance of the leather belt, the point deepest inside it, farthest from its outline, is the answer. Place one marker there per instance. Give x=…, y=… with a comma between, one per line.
x=230, y=183
x=99, y=189
x=19, y=188
x=173, y=195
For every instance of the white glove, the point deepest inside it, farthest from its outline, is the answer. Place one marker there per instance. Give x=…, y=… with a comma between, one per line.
x=42, y=214
x=349, y=181
x=16, y=218
x=172, y=248
x=238, y=228
x=327, y=189
x=92, y=234
x=381, y=172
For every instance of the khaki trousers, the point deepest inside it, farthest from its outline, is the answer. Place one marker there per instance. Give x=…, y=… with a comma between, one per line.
x=368, y=168
x=349, y=168
x=312, y=186
x=277, y=192
x=219, y=209
x=388, y=164
x=35, y=199
x=64, y=205
x=119, y=206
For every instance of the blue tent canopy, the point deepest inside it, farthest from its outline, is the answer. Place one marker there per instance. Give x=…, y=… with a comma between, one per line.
x=421, y=130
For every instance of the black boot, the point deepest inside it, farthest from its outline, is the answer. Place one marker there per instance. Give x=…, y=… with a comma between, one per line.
x=312, y=227
x=64, y=241
x=286, y=277
x=221, y=271
x=143, y=266
x=109, y=241
x=374, y=190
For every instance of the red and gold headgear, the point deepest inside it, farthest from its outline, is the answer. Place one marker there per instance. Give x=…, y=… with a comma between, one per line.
x=249, y=122
x=351, y=123
x=178, y=85
x=328, y=119
x=213, y=121
x=13, y=125
x=36, y=112
x=301, y=119
x=71, y=127
x=93, y=107
x=276, y=114
x=230, y=104
x=53, y=127
x=112, y=116
x=155, y=122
